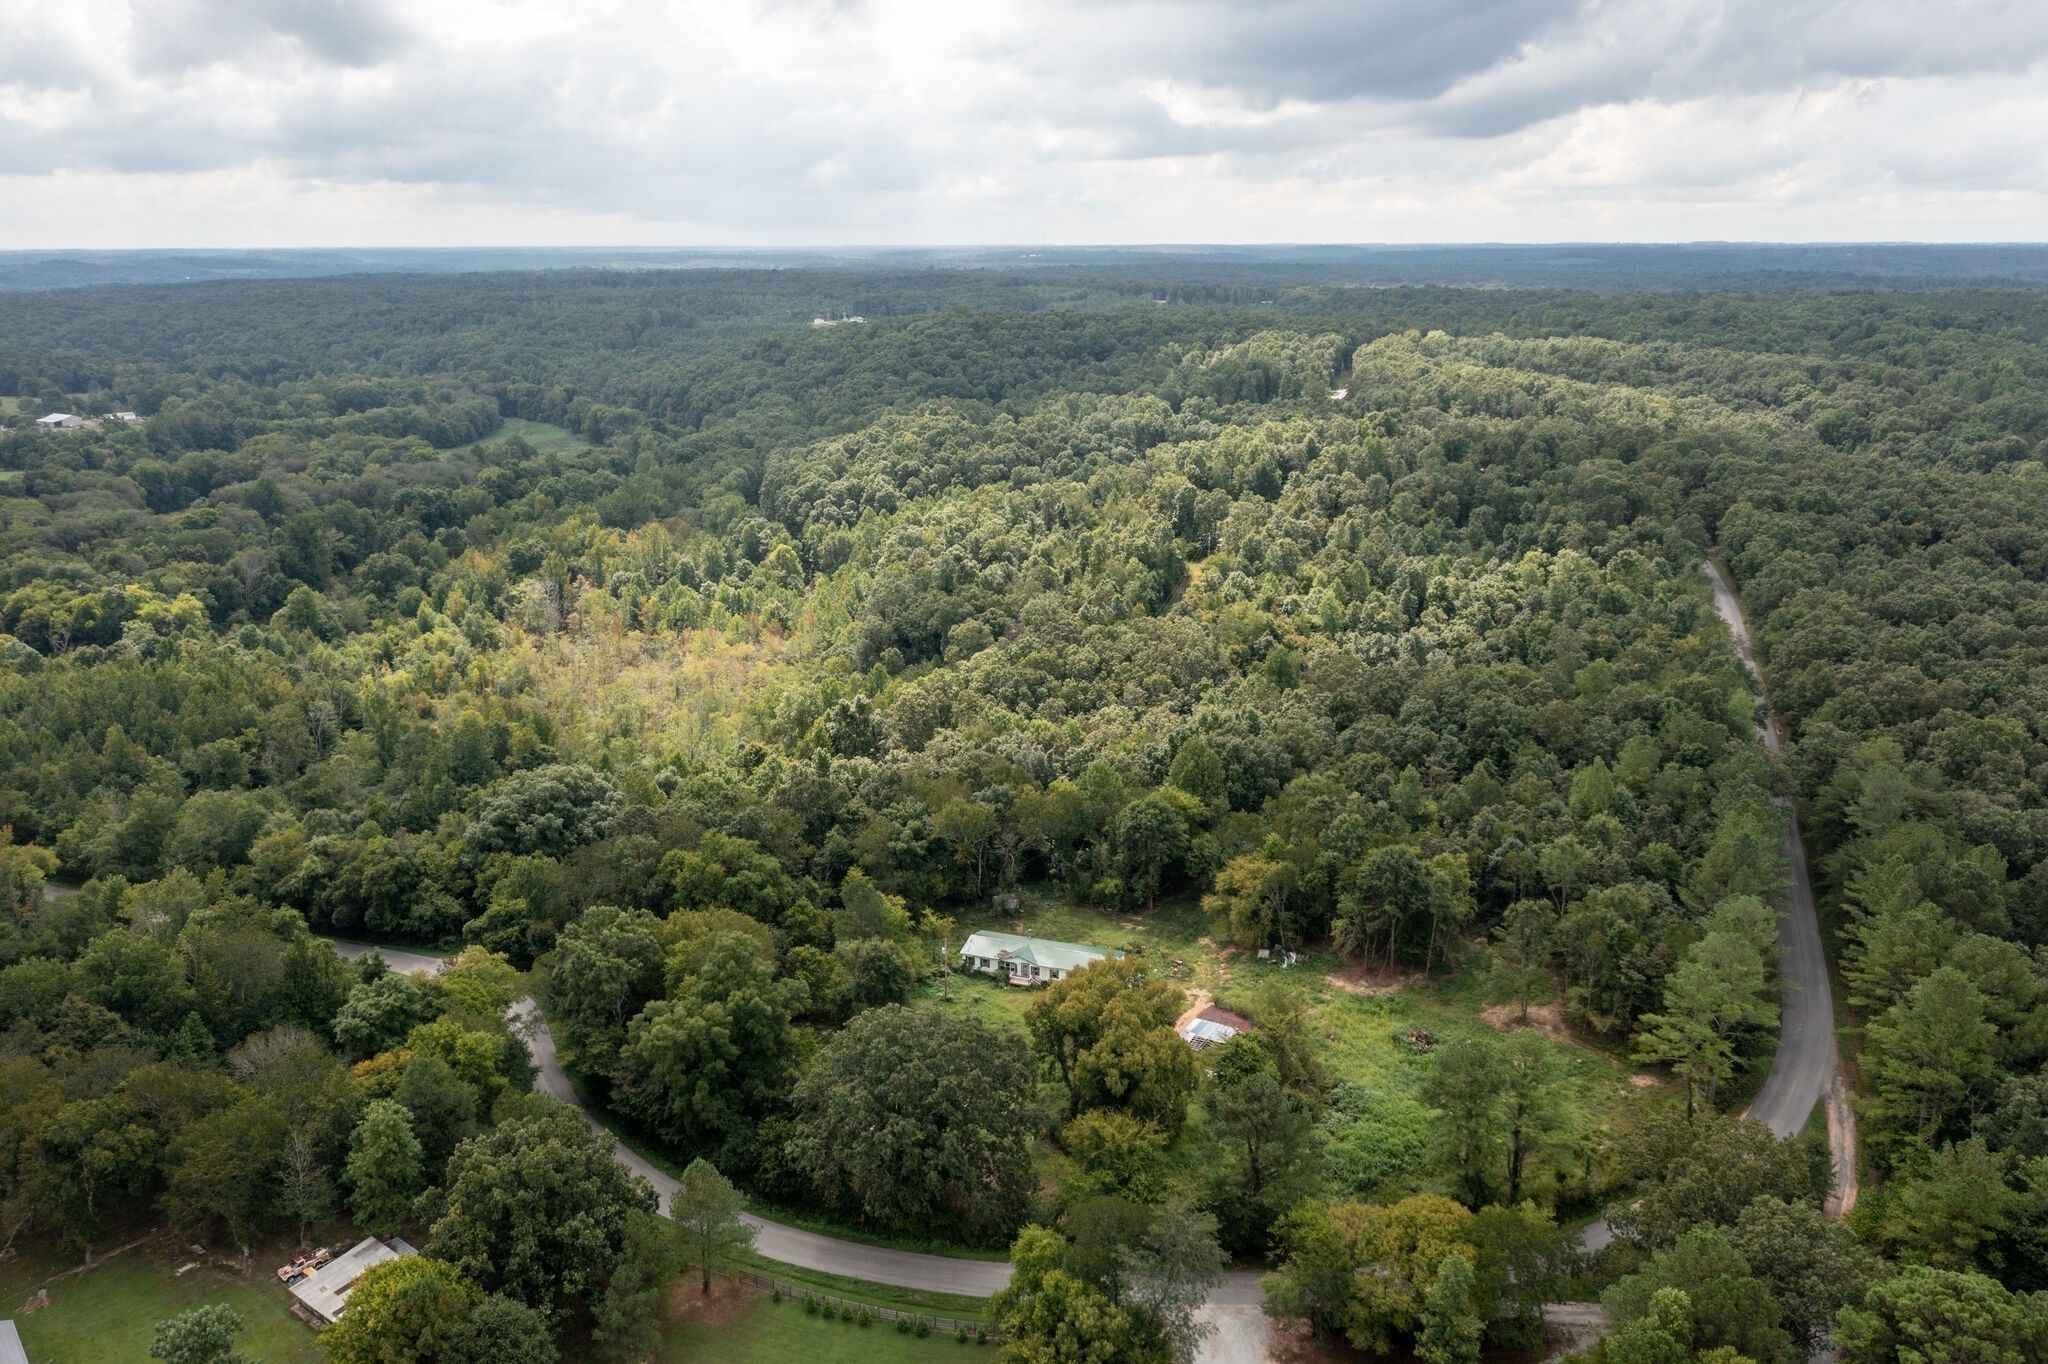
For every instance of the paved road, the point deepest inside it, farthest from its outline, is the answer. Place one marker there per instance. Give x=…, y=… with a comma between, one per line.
x=1805, y=1069
x=1803, y=1073
x=405, y=963
x=789, y=1245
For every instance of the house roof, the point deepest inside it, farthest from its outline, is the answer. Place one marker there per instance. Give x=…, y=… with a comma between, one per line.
x=326, y=1291
x=55, y=418
x=1054, y=956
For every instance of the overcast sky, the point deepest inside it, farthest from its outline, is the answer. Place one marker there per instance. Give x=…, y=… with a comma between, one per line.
x=779, y=122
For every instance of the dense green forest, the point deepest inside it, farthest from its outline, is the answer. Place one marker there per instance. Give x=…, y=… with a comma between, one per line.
x=720, y=669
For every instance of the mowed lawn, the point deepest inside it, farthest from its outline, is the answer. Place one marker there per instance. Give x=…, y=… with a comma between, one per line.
x=739, y=1325
x=109, y=1311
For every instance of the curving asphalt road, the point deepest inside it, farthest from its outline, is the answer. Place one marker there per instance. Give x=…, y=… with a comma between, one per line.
x=790, y=1245
x=1803, y=1073
x=1242, y=1332
x=1806, y=1069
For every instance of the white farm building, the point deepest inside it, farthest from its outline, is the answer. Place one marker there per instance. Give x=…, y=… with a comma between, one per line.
x=1026, y=960
x=324, y=1293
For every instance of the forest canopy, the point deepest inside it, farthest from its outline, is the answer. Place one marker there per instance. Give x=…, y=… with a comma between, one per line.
x=717, y=667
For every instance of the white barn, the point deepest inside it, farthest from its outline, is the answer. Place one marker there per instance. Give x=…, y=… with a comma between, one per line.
x=59, y=419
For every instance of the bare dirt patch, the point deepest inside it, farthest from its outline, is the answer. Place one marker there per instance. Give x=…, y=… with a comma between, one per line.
x=1198, y=1000
x=1547, y=1019
x=1643, y=1081
x=726, y=1303
x=1361, y=979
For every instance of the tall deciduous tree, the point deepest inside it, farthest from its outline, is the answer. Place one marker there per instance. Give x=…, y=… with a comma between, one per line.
x=223, y=1169
x=550, y=810
x=1169, y=1274
x=442, y=1108
x=202, y=1335
x=917, y=1118
x=1049, y=1316
x=606, y=966
x=697, y=1067
x=1466, y=1085
x=537, y=1208
x=1450, y=1328
x=385, y=1168
x=1731, y=1307
x=1109, y=1030
x=411, y=1308
x=1151, y=841
x=1269, y=1162
x=1812, y=1263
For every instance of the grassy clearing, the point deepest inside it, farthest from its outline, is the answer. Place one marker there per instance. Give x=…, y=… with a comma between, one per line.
x=743, y=1326
x=1362, y=1024
x=1361, y=1019
x=870, y=1294
x=541, y=436
x=109, y=1311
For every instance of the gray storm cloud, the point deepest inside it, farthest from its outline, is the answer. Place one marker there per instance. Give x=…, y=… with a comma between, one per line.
x=1089, y=119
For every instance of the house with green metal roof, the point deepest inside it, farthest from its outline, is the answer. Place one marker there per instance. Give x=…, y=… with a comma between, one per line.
x=1026, y=960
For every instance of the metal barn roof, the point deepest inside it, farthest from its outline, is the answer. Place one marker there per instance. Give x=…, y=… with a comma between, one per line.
x=326, y=1291
x=1054, y=956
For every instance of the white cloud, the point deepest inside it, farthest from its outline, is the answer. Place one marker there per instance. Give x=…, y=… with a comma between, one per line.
x=303, y=122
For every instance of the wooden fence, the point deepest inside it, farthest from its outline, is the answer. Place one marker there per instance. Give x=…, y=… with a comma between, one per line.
x=796, y=1294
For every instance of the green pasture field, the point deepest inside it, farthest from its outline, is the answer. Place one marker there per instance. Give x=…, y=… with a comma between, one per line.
x=540, y=435
x=108, y=1312
x=744, y=1326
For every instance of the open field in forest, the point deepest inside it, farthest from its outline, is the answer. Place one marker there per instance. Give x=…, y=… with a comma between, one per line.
x=1362, y=1018
x=544, y=438
x=109, y=1311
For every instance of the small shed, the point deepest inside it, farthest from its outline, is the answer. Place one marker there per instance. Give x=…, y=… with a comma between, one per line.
x=1212, y=1027
x=10, y=1345
x=325, y=1292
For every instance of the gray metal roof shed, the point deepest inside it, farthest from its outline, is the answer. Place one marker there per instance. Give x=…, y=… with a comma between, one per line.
x=10, y=1345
